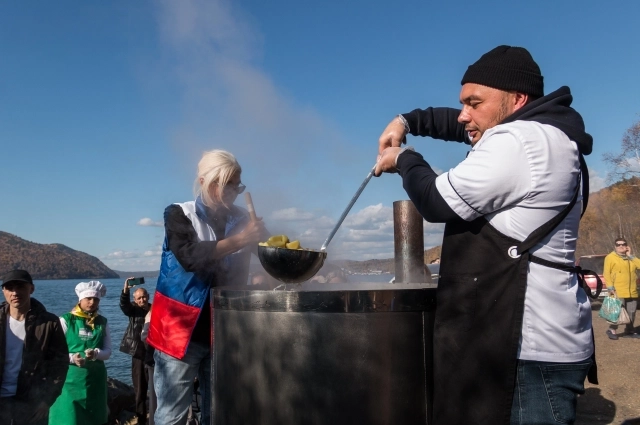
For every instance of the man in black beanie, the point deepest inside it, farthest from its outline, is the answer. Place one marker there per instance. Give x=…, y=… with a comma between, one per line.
x=513, y=335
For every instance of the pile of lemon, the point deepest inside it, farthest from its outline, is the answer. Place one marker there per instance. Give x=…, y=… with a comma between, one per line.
x=281, y=241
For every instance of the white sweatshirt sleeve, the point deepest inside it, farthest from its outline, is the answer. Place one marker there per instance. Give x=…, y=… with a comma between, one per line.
x=105, y=352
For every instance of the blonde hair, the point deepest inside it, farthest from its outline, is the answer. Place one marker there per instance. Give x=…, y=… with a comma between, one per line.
x=216, y=166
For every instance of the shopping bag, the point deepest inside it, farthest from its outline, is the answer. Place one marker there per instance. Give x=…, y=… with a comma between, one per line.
x=610, y=310
x=623, y=319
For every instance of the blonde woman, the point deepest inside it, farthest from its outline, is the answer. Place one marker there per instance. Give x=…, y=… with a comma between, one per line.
x=84, y=395
x=208, y=242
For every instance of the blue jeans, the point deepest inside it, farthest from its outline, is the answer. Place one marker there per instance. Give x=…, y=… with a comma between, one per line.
x=546, y=393
x=173, y=382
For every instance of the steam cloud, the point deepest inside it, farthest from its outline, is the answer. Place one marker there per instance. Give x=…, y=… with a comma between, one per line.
x=229, y=102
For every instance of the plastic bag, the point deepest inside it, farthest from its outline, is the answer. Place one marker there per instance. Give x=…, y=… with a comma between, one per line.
x=623, y=319
x=610, y=310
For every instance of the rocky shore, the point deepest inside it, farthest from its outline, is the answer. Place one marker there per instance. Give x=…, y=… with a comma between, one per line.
x=121, y=401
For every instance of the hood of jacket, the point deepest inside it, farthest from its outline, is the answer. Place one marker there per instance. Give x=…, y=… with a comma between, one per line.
x=555, y=109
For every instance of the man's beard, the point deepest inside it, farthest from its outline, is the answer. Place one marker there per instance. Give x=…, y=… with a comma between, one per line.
x=503, y=111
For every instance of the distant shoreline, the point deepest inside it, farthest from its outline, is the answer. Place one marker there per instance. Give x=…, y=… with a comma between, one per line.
x=121, y=276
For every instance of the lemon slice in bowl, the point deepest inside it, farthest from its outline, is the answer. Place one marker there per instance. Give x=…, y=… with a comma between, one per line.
x=279, y=241
x=293, y=245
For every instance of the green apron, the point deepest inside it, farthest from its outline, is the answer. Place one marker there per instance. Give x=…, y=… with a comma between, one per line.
x=84, y=396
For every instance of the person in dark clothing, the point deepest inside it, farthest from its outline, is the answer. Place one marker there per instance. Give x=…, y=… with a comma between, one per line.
x=34, y=358
x=513, y=339
x=132, y=344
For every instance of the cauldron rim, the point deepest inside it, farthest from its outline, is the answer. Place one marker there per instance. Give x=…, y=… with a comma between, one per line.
x=373, y=297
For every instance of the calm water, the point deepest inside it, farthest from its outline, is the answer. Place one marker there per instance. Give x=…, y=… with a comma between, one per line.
x=59, y=297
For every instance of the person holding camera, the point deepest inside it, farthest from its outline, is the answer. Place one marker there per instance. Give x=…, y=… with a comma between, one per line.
x=132, y=344
x=620, y=275
x=513, y=324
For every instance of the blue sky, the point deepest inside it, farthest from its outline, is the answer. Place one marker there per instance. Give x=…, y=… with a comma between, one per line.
x=107, y=106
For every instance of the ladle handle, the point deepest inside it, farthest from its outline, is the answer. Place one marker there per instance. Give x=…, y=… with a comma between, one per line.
x=249, y=201
x=346, y=211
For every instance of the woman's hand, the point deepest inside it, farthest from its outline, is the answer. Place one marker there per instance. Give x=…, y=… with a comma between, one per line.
x=90, y=354
x=78, y=360
x=254, y=232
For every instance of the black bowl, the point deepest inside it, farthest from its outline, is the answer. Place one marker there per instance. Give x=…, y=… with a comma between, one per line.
x=291, y=265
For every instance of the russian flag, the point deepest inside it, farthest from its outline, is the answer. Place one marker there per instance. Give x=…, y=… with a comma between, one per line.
x=177, y=304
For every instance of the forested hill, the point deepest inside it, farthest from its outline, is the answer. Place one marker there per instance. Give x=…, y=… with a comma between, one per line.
x=52, y=261
x=386, y=265
x=612, y=212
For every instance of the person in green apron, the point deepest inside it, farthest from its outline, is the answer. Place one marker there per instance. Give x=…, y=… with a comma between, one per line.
x=84, y=396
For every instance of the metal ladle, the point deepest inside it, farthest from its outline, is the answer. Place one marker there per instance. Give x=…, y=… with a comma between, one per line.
x=299, y=265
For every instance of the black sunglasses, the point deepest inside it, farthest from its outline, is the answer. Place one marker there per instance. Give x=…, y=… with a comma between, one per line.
x=621, y=244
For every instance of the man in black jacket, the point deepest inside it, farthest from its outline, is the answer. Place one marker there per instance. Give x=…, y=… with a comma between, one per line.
x=132, y=344
x=34, y=357
x=513, y=335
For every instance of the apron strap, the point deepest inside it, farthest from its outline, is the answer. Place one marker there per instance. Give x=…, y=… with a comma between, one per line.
x=584, y=170
x=541, y=232
x=580, y=273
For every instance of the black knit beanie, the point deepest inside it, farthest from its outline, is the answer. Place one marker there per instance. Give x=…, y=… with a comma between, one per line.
x=507, y=68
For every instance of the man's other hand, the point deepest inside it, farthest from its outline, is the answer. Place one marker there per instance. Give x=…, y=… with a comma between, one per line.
x=392, y=136
x=387, y=161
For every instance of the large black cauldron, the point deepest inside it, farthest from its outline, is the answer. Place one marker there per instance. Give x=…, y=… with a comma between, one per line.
x=323, y=354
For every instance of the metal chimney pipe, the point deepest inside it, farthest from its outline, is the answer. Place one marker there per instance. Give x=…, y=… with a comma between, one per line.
x=408, y=237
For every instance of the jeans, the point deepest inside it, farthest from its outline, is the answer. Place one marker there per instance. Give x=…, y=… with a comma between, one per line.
x=546, y=393
x=173, y=381
x=631, y=304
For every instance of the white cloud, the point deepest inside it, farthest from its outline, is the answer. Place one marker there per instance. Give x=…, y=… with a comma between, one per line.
x=134, y=264
x=291, y=214
x=378, y=214
x=595, y=181
x=118, y=255
x=632, y=164
x=147, y=222
x=365, y=234
x=123, y=257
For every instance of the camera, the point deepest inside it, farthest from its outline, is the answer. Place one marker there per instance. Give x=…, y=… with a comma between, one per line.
x=135, y=281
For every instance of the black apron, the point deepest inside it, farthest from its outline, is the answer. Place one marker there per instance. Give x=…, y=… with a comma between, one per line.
x=481, y=292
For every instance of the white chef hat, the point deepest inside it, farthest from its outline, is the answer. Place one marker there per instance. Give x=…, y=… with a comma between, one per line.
x=92, y=288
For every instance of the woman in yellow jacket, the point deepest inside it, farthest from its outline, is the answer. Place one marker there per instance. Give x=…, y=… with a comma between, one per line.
x=620, y=274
